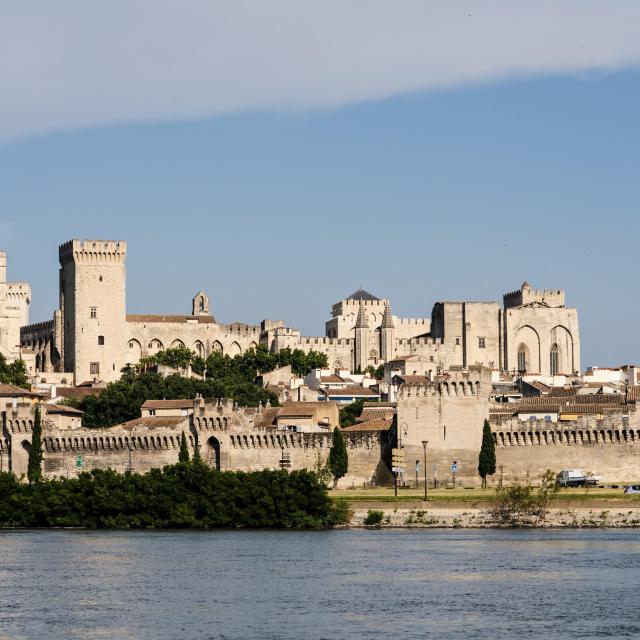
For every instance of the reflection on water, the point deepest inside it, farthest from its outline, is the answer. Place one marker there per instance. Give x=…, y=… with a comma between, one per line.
x=334, y=584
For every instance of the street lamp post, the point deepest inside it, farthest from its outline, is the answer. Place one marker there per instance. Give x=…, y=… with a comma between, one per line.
x=1, y=454
x=424, y=447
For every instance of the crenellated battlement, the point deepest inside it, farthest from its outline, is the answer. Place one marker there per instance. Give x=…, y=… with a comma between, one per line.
x=36, y=330
x=321, y=340
x=422, y=341
x=93, y=252
x=412, y=322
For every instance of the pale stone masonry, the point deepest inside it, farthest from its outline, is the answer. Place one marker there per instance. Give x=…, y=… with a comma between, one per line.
x=15, y=298
x=91, y=336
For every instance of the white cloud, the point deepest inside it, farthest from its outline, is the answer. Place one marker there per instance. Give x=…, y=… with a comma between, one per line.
x=70, y=64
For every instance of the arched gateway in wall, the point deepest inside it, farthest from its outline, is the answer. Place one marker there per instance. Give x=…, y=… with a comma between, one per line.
x=213, y=452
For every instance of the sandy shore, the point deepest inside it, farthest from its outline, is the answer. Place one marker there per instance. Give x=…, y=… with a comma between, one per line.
x=481, y=517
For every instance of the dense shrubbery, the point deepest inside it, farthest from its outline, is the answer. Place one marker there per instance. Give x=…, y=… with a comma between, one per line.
x=518, y=506
x=241, y=367
x=225, y=378
x=184, y=495
x=14, y=373
x=373, y=518
x=121, y=400
x=350, y=413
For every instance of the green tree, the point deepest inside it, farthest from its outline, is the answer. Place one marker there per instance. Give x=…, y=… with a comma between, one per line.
x=196, y=454
x=14, y=373
x=349, y=413
x=183, y=455
x=487, y=457
x=338, y=461
x=34, y=467
x=377, y=373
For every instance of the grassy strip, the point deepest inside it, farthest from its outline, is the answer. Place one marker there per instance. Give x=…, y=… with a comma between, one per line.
x=464, y=496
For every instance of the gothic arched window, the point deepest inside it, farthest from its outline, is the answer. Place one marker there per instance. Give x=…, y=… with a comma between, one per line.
x=522, y=359
x=554, y=360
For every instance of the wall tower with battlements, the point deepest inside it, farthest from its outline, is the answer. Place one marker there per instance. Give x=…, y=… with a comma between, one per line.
x=92, y=305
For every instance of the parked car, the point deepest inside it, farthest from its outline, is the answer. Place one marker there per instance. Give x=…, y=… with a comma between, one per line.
x=632, y=488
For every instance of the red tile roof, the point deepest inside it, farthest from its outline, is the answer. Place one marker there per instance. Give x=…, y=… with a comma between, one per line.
x=350, y=391
x=168, y=404
x=370, y=425
x=11, y=390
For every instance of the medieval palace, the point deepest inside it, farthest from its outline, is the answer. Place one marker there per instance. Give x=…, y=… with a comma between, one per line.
x=516, y=365
x=91, y=336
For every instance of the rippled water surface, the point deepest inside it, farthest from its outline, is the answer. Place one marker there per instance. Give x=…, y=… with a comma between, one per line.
x=335, y=584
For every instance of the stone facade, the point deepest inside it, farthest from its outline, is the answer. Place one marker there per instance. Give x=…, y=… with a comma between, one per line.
x=448, y=413
x=229, y=438
x=15, y=298
x=92, y=337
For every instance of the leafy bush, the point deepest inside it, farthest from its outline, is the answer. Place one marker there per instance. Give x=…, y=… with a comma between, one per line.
x=518, y=505
x=14, y=373
x=183, y=495
x=373, y=517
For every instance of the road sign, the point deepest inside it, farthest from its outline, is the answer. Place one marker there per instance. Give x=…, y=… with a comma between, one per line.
x=397, y=469
x=454, y=468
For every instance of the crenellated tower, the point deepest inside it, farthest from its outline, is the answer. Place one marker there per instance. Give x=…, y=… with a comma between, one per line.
x=92, y=304
x=15, y=298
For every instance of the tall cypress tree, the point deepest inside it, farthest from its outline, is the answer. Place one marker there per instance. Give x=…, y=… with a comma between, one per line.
x=183, y=455
x=34, y=467
x=487, y=457
x=338, y=461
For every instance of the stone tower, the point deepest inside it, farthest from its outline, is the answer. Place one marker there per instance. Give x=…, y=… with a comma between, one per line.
x=15, y=298
x=92, y=304
x=361, y=340
x=387, y=335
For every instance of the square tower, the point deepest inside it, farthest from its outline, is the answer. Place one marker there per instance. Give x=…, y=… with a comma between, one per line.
x=15, y=298
x=92, y=302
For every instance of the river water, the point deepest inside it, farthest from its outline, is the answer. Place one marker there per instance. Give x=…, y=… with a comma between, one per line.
x=332, y=584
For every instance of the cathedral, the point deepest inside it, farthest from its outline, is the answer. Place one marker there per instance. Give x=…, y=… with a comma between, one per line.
x=92, y=337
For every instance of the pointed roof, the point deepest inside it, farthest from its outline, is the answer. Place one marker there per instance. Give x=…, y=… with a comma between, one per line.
x=361, y=322
x=361, y=294
x=387, y=318
x=525, y=285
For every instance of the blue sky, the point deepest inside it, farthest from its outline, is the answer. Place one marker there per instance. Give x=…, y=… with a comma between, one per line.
x=456, y=191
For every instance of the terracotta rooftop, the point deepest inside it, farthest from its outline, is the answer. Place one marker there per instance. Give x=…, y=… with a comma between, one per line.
x=556, y=392
x=63, y=409
x=267, y=417
x=332, y=378
x=77, y=392
x=168, y=404
x=370, y=425
x=350, y=391
x=371, y=413
x=11, y=390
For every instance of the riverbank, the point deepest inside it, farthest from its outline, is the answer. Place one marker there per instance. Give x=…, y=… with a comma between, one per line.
x=474, y=517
